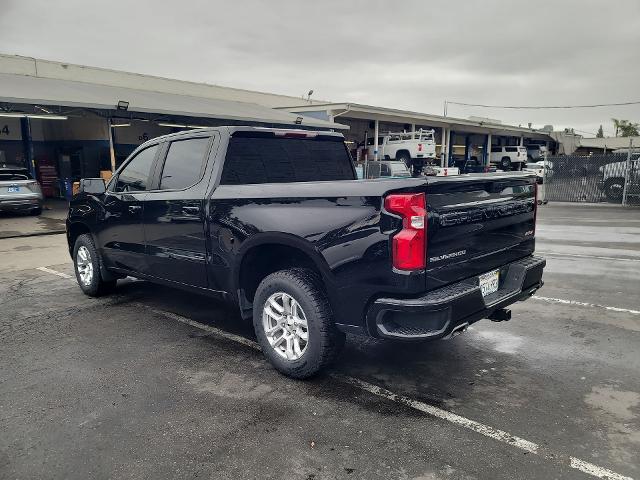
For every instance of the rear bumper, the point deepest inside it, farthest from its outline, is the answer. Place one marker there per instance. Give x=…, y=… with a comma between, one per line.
x=20, y=204
x=440, y=312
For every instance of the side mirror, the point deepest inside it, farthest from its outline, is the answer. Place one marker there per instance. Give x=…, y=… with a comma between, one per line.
x=94, y=186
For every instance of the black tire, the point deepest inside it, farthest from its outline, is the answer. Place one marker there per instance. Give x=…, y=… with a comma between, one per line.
x=614, y=189
x=36, y=211
x=324, y=340
x=505, y=164
x=96, y=286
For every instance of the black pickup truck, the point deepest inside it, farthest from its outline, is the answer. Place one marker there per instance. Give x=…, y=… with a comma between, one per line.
x=276, y=222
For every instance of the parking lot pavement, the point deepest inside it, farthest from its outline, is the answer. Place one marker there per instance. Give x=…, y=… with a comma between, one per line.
x=51, y=221
x=142, y=385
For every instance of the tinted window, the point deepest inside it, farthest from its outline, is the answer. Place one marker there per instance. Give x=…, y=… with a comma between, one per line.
x=281, y=160
x=17, y=174
x=511, y=149
x=496, y=149
x=183, y=166
x=135, y=175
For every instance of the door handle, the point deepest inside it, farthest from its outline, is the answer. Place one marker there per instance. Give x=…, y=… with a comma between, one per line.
x=191, y=210
x=135, y=208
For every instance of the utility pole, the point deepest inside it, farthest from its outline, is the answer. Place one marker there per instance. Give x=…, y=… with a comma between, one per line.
x=627, y=174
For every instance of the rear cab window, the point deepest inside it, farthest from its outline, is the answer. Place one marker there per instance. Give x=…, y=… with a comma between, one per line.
x=184, y=164
x=255, y=159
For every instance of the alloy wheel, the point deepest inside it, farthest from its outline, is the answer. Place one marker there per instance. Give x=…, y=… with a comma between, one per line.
x=285, y=326
x=84, y=265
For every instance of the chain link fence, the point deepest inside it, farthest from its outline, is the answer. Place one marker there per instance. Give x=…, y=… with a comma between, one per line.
x=612, y=178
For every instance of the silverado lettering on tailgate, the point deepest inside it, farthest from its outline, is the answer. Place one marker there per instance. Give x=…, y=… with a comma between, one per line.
x=486, y=213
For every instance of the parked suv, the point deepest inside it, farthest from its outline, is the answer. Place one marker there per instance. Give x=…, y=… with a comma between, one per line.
x=276, y=222
x=508, y=158
x=19, y=191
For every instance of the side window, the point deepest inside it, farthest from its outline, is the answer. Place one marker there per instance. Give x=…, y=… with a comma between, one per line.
x=496, y=149
x=511, y=149
x=135, y=175
x=183, y=165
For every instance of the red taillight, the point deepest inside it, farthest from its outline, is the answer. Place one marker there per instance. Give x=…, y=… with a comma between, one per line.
x=409, y=247
x=419, y=147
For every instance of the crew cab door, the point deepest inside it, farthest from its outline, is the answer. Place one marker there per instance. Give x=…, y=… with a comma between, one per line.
x=174, y=215
x=121, y=236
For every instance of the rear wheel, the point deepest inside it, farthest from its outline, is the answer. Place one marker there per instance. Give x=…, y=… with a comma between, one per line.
x=614, y=189
x=36, y=211
x=294, y=323
x=87, y=267
x=505, y=163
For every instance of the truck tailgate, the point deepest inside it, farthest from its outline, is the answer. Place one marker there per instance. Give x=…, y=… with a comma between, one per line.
x=477, y=224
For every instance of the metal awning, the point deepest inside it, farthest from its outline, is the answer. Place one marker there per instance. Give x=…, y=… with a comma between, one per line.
x=27, y=89
x=370, y=112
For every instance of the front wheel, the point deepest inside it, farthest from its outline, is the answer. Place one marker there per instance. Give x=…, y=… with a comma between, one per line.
x=293, y=322
x=87, y=268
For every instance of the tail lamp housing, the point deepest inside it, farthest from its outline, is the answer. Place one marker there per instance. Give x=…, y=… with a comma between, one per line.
x=409, y=245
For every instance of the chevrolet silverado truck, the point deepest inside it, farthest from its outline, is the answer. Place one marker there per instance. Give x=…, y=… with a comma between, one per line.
x=276, y=222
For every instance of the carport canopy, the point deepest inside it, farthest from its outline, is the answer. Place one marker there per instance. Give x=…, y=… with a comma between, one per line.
x=27, y=89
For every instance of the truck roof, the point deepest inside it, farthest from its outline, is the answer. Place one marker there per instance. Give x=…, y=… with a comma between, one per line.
x=231, y=129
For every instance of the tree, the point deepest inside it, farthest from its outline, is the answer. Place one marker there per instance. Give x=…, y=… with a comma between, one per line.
x=625, y=128
x=600, y=133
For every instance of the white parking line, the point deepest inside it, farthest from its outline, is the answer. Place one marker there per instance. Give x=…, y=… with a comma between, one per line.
x=585, y=304
x=486, y=430
x=53, y=272
x=597, y=257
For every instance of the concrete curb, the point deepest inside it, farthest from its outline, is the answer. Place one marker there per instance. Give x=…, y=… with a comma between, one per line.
x=39, y=234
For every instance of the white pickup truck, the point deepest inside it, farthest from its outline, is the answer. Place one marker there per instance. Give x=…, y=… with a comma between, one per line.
x=508, y=158
x=403, y=146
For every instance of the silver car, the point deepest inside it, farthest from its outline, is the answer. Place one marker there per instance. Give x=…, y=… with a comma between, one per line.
x=19, y=192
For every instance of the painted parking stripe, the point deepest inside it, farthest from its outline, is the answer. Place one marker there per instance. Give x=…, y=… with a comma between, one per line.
x=53, y=272
x=597, y=257
x=585, y=304
x=207, y=328
x=486, y=430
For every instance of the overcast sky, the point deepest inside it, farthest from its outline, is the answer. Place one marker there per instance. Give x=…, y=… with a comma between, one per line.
x=401, y=54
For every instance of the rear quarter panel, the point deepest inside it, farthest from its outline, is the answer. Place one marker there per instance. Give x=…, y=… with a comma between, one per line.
x=339, y=224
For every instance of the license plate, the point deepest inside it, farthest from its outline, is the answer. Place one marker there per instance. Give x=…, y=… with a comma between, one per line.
x=489, y=282
x=13, y=189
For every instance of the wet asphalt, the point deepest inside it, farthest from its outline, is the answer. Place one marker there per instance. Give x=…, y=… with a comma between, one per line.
x=114, y=388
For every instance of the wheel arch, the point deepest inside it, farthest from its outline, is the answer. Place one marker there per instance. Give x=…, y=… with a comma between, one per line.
x=402, y=152
x=74, y=230
x=266, y=253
